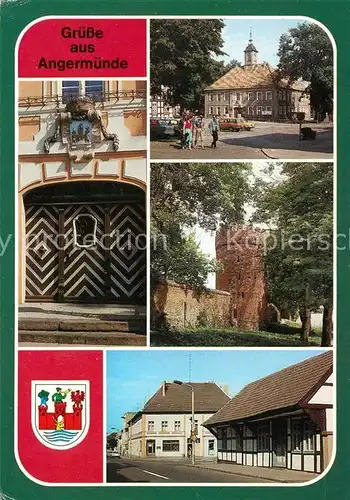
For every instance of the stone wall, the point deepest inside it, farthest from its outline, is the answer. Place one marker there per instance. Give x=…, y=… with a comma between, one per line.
x=184, y=307
x=240, y=250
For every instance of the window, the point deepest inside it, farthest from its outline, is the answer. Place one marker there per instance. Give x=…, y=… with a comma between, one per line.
x=296, y=435
x=250, y=96
x=150, y=426
x=238, y=96
x=259, y=110
x=239, y=440
x=218, y=97
x=268, y=95
x=171, y=445
x=268, y=109
x=196, y=426
x=220, y=436
x=164, y=425
x=94, y=89
x=263, y=437
x=211, y=446
x=218, y=111
x=226, y=97
x=210, y=97
x=259, y=96
x=250, y=110
x=234, y=97
x=308, y=436
x=210, y=110
x=71, y=89
x=177, y=425
x=226, y=110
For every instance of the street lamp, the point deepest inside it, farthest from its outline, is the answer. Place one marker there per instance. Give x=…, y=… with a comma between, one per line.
x=193, y=438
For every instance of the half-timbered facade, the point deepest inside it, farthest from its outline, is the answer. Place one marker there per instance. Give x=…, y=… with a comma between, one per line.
x=81, y=191
x=283, y=420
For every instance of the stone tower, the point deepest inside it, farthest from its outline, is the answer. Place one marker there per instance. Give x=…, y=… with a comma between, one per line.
x=250, y=53
x=240, y=250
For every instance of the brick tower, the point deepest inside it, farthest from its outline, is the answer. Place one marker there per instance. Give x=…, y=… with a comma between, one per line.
x=240, y=250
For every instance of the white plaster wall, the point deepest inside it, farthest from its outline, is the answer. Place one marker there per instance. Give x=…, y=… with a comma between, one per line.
x=48, y=118
x=296, y=462
x=323, y=396
x=309, y=463
x=329, y=419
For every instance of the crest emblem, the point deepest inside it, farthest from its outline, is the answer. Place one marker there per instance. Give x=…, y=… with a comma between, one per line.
x=60, y=412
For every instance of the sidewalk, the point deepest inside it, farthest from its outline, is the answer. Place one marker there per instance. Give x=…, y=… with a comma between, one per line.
x=271, y=474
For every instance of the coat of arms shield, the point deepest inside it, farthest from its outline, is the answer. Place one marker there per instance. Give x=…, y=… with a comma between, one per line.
x=60, y=412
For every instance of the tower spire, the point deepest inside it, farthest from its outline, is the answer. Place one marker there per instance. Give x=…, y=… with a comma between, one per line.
x=250, y=35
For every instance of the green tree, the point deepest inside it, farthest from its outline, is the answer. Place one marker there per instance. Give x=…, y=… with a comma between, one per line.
x=183, y=60
x=306, y=52
x=299, y=206
x=184, y=196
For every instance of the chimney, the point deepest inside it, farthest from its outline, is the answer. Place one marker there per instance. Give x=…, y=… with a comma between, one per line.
x=163, y=388
x=225, y=389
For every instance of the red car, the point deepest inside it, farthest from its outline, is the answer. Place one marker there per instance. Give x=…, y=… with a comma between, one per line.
x=235, y=124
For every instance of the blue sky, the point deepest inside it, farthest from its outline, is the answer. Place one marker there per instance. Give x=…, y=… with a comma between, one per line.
x=266, y=34
x=134, y=376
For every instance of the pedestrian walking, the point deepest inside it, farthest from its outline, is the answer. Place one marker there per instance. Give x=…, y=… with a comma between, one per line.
x=214, y=129
x=188, y=133
x=198, y=130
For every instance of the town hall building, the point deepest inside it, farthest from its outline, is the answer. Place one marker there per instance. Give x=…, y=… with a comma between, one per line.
x=254, y=91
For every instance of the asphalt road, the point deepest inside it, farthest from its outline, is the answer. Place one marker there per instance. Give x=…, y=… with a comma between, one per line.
x=266, y=140
x=125, y=470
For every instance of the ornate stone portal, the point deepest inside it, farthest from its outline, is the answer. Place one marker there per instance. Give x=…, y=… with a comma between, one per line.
x=80, y=126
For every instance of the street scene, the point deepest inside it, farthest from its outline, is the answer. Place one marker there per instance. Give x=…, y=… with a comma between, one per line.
x=125, y=470
x=252, y=96
x=171, y=425
x=266, y=140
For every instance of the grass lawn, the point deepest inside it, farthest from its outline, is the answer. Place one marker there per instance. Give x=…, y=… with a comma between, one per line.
x=209, y=337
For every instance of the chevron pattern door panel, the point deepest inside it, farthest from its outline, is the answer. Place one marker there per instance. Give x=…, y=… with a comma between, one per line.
x=85, y=274
x=41, y=252
x=128, y=254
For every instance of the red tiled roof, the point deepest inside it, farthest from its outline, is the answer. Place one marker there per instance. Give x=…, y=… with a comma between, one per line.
x=257, y=76
x=208, y=397
x=283, y=389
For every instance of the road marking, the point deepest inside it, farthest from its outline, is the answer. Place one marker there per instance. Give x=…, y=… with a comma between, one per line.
x=153, y=474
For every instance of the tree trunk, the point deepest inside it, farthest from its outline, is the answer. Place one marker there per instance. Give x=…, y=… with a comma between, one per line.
x=305, y=316
x=327, y=326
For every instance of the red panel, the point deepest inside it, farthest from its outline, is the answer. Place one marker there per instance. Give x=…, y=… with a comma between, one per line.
x=51, y=40
x=84, y=462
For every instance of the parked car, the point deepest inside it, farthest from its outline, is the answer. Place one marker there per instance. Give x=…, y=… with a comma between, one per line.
x=235, y=124
x=165, y=128
x=113, y=453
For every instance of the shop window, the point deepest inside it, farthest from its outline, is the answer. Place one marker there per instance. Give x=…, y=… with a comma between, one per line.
x=171, y=445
